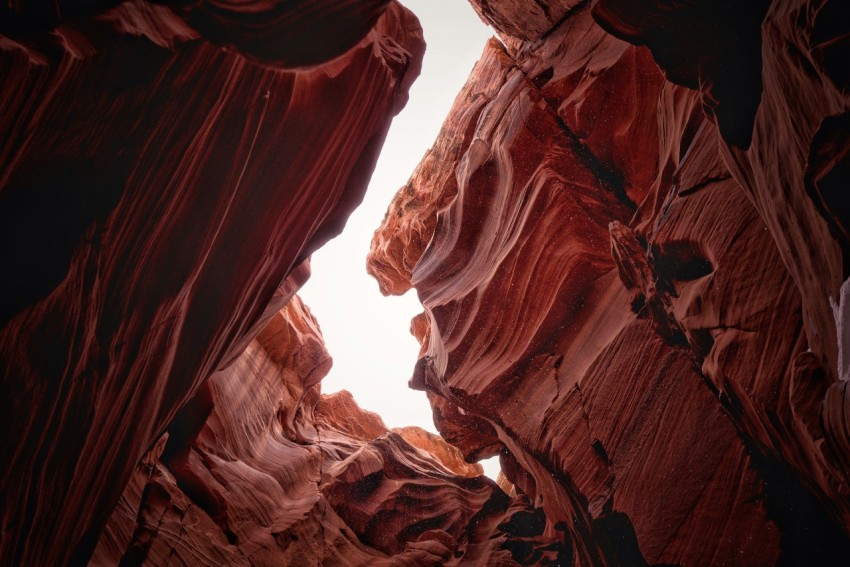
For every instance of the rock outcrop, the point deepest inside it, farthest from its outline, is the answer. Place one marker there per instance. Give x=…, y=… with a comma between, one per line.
x=162, y=188
x=630, y=239
x=260, y=469
x=630, y=261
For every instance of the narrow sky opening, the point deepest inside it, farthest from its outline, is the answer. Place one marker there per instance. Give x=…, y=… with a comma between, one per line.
x=366, y=333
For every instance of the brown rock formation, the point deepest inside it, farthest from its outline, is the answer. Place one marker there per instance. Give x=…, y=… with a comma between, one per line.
x=160, y=194
x=630, y=261
x=449, y=455
x=630, y=239
x=257, y=469
x=339, y=411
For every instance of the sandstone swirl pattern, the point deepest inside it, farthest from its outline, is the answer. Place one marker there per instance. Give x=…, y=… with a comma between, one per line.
x=260, y=469
x=629, y=293
x=631, y=241
x=161, y=193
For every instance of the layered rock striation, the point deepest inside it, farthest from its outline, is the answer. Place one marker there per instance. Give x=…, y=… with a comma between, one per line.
x=632, y=278
x=260, y=469
x=630, y=240
x=165, y=176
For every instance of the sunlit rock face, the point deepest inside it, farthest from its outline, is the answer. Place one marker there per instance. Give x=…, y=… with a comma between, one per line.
x=630, y=246
x=165, y=175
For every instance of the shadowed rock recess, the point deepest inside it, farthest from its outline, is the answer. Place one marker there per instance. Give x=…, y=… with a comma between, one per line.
x=630, y=239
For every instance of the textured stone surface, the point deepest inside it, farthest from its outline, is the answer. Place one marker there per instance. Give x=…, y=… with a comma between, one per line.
x=259, y=469
x=160, y=194
x=449, y=455
x=630, y=240
x=523, y=20
x=285, y=33
x=630, y=259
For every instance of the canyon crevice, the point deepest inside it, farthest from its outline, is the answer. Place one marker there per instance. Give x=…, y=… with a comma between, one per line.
x=630, y=240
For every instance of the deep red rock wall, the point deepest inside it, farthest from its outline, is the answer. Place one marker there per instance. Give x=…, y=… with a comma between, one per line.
x=630, y=240
x=162, y=188
x=631, y=277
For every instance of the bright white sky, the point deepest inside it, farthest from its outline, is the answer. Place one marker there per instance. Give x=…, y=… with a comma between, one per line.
x=366, y=333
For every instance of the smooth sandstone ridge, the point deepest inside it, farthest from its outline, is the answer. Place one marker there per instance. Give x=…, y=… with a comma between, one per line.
x=630, y=240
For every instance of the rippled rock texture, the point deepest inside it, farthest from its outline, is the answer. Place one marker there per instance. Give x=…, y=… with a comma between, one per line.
x=166, y=173
x=630, y=239
x=260, y=469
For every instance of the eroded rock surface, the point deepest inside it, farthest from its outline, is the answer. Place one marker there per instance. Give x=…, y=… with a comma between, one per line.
x=162, y=189
x=630, y=258
x=630, y=240
x=260, y=469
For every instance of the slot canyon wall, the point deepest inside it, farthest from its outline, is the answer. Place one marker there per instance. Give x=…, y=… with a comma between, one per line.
x=631, y=242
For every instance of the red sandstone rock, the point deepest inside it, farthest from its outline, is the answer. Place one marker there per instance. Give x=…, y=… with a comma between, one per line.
x=291, y=33
x=258, y=470
x=618, y=294
x=448, y=455
x=632, y=259
x=339, y=411
x=523, y=20
x=160, y=195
